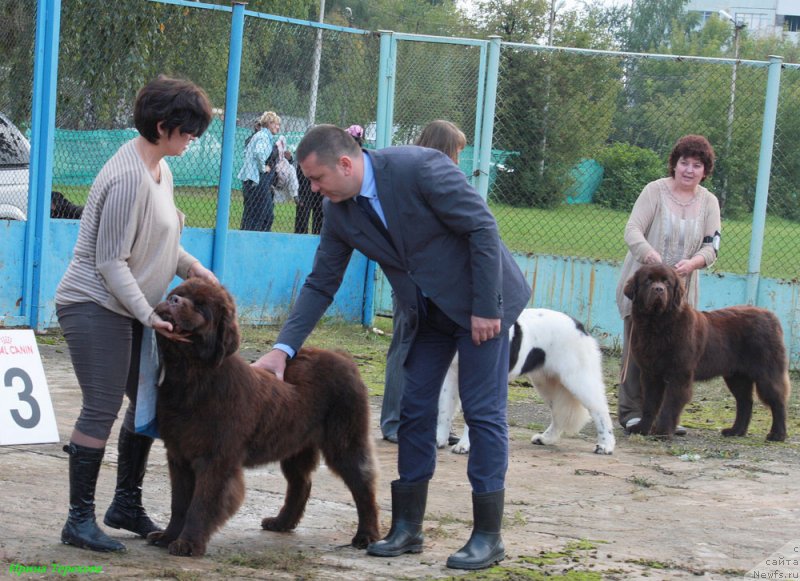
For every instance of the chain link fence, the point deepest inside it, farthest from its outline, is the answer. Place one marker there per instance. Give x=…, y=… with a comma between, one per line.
x=17, y=32
x=577, y=134
x=436, y=81
x=107, y=52
x=583, y=133
x=278, y=74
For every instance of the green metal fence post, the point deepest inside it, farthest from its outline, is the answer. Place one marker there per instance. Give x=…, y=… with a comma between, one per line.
x=762, y=181
x=490, y=99
x=386, y=84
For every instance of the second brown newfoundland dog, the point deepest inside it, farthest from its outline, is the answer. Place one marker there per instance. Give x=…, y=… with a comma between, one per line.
x=674, y=344
x=218, y=415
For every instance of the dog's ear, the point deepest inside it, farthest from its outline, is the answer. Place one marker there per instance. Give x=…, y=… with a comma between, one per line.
x=631, y=286
x=220, y=337
x=228, y=337
x=678, y=292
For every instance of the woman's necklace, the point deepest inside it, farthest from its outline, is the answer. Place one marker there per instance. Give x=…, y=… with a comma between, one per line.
x=682, y=205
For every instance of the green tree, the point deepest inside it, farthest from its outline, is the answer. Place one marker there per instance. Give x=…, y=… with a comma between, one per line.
x=17, y=22
x=652, y=23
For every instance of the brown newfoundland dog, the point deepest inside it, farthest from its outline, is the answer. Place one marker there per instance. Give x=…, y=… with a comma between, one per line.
x=218, y=415
x=674, y=344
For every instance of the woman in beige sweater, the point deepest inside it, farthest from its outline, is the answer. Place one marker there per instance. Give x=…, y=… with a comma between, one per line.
x=127, y=253
x=674, y=221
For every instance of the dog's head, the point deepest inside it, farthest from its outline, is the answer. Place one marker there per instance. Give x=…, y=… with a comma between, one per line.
x=207, y=313
x=655, y=289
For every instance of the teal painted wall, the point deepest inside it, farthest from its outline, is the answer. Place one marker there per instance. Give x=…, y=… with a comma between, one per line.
x=264, y=271
x=587, y=290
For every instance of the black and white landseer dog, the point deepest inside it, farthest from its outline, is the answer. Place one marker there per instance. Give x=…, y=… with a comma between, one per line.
x=564, y=363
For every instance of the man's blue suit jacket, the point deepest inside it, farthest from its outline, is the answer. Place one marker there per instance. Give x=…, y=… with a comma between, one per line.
x=445, y=242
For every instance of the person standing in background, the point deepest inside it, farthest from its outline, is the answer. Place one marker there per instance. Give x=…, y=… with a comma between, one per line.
x=450, y=140
x=127, y=253
x=675, y=221
x=257, y=174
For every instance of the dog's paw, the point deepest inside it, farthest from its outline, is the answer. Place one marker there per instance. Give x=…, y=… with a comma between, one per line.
x=776, y=437
x=635, y=429
x=183, y=548
x=159, y=539
x=603, y=450
x=364, y=538
x=460, y=448
x=275, y=524
x=731, y=433
x=543, y=440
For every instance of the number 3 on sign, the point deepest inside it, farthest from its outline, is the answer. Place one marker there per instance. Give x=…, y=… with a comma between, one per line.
x=26, y=412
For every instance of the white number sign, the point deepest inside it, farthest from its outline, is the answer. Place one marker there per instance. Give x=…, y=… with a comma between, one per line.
x=26, y=412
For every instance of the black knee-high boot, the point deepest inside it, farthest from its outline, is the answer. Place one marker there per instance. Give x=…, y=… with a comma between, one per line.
x=81, y=528
x=485, y=546
x=408, y=510
x=126, y=510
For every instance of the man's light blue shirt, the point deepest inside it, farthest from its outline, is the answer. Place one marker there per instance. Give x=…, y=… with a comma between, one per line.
x=369, y=191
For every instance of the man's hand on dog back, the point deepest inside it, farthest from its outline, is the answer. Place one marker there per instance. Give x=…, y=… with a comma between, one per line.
x=273, y=361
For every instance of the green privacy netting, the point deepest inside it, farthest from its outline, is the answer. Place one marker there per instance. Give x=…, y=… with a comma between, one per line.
x=79, y=155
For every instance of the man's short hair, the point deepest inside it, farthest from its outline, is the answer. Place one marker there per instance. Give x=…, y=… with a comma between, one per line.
x=176, y=103
x=329, y=143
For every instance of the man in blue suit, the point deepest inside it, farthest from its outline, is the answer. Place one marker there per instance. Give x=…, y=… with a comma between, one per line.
x=412, y=211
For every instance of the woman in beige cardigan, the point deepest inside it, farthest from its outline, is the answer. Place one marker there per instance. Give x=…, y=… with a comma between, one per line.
x=127, y=253
x=674, y=221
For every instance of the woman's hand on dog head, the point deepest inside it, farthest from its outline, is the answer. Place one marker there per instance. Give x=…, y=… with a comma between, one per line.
x=165, y=328
x=652, y=257
x=200, y=271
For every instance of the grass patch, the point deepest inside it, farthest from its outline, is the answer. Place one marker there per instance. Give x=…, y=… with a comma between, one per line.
x=367, y=347
x=650, y=564
x=281, y=560
x=178, y=575
x=641, y=482
x=592, y=231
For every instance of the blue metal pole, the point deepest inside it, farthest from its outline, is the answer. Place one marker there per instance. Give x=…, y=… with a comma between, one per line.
x=490, y=100
x=762, y=181
x=228, y=140
x=45, y=81
x=386, y=76
x=473, y=175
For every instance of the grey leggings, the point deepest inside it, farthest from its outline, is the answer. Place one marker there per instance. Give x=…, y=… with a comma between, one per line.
x=105, y=350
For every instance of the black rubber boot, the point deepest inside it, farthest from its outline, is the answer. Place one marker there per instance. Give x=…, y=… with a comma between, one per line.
x=485, y=546
x=408, y=510
x=81, y=528
x=126, y=510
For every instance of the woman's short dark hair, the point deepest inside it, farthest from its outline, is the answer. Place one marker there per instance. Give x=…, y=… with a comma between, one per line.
x=693, y=146
x=175, y=103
